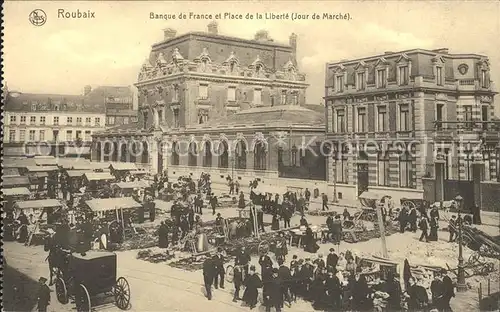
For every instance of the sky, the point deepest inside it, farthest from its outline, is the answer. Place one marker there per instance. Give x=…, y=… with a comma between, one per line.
x=63, y=55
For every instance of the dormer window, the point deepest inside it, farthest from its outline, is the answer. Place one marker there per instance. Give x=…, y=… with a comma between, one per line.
x=232, y=66
x=339, y=83
x=204, y=63
x=283, y=97
x=295, y=98
x=484, y=78
x=258, y=68
x=175, y=95
x=381, y=78
x=33, y=107
x=439, y=75
x=360, y=80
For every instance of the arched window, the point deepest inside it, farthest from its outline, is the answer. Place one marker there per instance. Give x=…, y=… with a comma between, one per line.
x=114, y=156
x=193, y=154
x=123, y=152
x=107, y=151
x=260, y=156
x=241, y=155
x=223, y=155
x=145, y=153
x=98, y=147
x=207, y=156
x=294, y=155
x=175, y=154
x=133, y=150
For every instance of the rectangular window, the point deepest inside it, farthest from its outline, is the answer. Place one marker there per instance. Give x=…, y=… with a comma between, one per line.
x=23, y=120
x=22, y=135
x=257, y=96
x=468, y=164
x=97, y=121
x=404, y=117
x=126, y=120
x=295, y=98
x=360, y=81
x=383, y=168
x=32, y=120
x=42, y=120
x=42, y=135
x=33, y=107
x=283, y=97
x=56, y=120
x=69, y=135
x=78, y=134
x=339, y=83
x=361, y=121
x=381, y=78
x=12, y=135
x=404, y=75
x=88, y=121
x=231, y=94
x=78, y=121
x=468, y=117
x=382, y=119
x=88, y=135
x=439, y=76
x=406, y=171
x=13, y=119
x=32, y=135
x=69, y=120
x=340, y=120
x=203, y=91
x=341, y=169
x=439, y=115
x=176, y=118
x=484, y=79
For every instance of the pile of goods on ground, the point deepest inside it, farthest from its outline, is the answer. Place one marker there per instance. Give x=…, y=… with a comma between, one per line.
x=155, y=257
x=363, y=236
x=189, y=264
x=322, y=213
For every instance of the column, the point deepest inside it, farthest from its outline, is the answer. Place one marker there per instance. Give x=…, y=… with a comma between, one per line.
x=439, y=181
x=477, y=176
x=153, y=157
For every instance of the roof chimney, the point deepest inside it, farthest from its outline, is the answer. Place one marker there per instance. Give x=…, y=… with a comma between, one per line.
x=441, y=51
x=388, y=52
x=86, y=90
x=213, y=28
x=262, y=35
x=293, y=41
x=169, y=33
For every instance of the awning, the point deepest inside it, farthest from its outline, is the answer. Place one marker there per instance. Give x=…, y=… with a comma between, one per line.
x=16, y=191
x=77, y=173
x=108, y=204
x=132, y=185
x=41, y=203
x=10, y=172
x=123, y=166
x=138, y=172
x=98, y=176
x=38, y=175
x=16, y=181
x=263, y=189
x=73, y=150
x=73, y=163
x=18, y=162
x=42, y=168
x=46, y=161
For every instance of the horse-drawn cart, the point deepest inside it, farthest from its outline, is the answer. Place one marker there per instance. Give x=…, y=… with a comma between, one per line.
x=370, y=201
x=85, y=276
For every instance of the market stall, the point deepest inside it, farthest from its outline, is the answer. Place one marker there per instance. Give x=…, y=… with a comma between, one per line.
x=13, y=182
x=45, y=177
x=46, y=161
x=10, y=172
x=20, y=163
x=120, y=170
x=129, y=188
x=37, y=208
x=95, y=181
x=75, y=178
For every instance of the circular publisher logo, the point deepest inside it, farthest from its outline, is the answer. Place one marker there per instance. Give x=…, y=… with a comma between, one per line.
x=38, y=17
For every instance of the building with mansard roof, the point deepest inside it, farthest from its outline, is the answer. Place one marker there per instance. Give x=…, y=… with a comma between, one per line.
x=436, y=106
x=224, y=105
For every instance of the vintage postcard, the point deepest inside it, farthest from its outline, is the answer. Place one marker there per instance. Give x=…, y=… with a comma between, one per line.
x=289, y=156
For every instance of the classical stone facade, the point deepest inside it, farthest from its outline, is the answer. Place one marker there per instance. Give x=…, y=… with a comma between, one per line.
x=396, y=111
x=240, y=97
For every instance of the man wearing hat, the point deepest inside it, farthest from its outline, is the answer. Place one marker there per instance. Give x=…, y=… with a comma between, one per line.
x=243, y=259
x=272, y=292
x=219, y=269
x=285, y=277
x=209, y=272
x=43, y=295
x=332, y=259
x=333, y=290
x=252, y=284
x=307, y=273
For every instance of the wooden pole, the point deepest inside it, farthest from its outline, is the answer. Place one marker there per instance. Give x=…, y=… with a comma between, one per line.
x=381, y=227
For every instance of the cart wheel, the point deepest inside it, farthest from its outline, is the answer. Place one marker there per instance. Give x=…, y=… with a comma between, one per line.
x=263, y=247
x=408, y=204
x=83, y=299
x=370, y=217
x=229, y=273
x=61, y=291
x=122, y=293
x=474, y=258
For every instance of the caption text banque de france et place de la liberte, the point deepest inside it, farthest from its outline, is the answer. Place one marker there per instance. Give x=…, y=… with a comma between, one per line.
x=250, y=16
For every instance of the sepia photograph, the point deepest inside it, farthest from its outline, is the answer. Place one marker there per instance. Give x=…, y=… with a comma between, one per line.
x=268, y=156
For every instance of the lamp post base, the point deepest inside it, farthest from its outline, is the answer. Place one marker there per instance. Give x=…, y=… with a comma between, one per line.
x=462, y=287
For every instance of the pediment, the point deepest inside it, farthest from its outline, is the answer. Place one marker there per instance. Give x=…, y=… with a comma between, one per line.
x=160, y=60
x=484, y=63
x=438, y=59
x=403, y=58
x=360, y=65
x=257, y=62
x=289, y=66
x=177, y=56
x=339, y=68
x=381, y=62
x=232, y=59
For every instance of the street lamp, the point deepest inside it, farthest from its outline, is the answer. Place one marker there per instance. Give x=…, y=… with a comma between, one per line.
x=461, y=286
x=335, y=151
